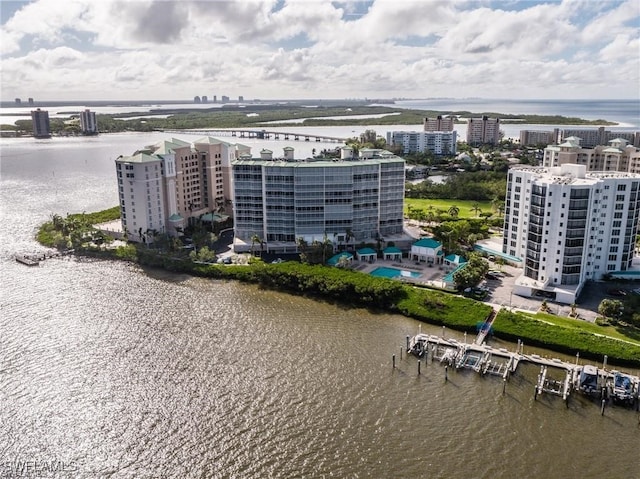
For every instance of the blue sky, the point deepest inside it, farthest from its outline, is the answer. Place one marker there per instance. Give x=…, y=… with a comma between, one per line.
x=274, y=49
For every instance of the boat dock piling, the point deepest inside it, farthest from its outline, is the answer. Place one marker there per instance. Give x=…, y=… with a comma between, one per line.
x=484, y=359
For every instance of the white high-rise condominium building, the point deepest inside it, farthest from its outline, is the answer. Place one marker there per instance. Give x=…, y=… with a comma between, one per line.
x=88, y=124
x=436, y=142
x=163, y=187
x=347, y=200
x=569, y=226
x=483, y=131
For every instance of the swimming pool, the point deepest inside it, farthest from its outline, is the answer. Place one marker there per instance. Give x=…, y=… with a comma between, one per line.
x=385, y=272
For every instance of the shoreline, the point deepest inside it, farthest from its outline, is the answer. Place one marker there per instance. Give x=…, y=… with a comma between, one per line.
x=418, y=302
x=346, y=114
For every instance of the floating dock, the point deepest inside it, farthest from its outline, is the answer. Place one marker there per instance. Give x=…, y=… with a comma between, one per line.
x=556, y=377
x=27, y=260
x=34, y=259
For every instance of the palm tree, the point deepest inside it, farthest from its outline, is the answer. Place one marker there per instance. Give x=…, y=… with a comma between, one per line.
x=325, y=245
x=254, y=240
x=430, y=216
x=454, y=211
x=476, y=208
x=58, y=222
x=348, y=236
x=301, y=243
x=486, y=215
x=410, y=211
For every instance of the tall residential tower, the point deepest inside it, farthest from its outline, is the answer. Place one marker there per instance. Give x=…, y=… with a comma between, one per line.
x=569, y=226
x=41, y=126
x=283, y=200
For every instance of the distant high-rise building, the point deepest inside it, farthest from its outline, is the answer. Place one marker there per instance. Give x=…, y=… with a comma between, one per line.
x=436, y=142
x=88, y=124
x=224, y=99
x=18, y=101
x=483, y=131
x=592, y=137
x=30, y=101
x=617, y=156
x=215, y=98
x=538, y=137
x=240, y=98
x=205, y=99
x=196, y=99
x=41, y=126
x=438, y=123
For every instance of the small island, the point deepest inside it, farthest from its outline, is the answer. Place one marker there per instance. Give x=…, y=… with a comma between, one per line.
x=259, y=115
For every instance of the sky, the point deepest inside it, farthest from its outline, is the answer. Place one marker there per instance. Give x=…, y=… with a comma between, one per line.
x=303, y=49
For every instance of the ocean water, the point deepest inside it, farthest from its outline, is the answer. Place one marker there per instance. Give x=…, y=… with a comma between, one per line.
x=625, y=112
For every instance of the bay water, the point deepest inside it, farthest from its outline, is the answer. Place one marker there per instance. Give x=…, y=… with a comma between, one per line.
x=118, y=371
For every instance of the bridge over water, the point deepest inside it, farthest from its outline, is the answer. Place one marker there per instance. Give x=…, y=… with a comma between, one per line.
x=259, y=134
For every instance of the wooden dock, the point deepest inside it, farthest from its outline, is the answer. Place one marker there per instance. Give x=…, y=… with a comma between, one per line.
x=34, y=259
x=556, y=377
x=27, y=260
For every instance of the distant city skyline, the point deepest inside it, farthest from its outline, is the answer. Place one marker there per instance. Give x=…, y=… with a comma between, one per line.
x=274, y=49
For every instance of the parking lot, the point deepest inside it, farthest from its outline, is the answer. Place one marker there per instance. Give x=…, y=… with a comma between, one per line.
x=500, y=293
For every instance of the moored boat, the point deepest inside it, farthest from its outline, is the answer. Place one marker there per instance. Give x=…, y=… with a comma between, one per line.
x=624, y=388
x=587, y=380
x=418, y=345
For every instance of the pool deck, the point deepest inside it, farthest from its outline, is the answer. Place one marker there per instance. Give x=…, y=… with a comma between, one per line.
x=430, y=275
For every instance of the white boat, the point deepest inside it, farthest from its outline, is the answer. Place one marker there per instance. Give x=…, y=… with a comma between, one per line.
x=418, y=344
x=587, y=381
x=624, y=387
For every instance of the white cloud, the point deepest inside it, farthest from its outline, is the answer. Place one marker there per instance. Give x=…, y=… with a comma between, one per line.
x=169, y=49
x=623, y=47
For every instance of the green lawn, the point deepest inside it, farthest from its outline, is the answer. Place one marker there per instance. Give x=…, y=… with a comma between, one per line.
x=571, y=323
x=463, y=205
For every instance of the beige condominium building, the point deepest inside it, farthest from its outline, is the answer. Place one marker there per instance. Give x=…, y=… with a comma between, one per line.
x=165, y=186
x=483, y=131
x=617, y=156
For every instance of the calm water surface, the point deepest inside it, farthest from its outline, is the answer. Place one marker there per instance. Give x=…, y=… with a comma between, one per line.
x=123, y=372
